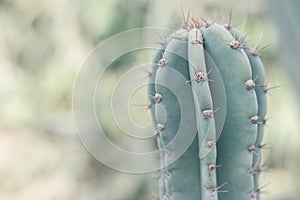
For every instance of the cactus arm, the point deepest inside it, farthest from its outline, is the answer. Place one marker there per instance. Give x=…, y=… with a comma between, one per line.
x=238, y=132
x=203, y=103
x=180, y=181
x=258, y=73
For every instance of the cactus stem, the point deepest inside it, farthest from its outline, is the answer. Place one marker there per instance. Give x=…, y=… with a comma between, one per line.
x=163, y=39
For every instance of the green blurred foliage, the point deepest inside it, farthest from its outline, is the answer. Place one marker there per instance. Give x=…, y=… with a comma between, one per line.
x=42, y=46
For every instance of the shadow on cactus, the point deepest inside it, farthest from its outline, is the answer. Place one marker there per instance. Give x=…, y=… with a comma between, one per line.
x=223, y=74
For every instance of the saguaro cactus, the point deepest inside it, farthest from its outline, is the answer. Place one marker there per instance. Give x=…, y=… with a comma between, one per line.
x=210, y=169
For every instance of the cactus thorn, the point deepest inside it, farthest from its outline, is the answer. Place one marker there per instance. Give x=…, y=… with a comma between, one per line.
x=162, y=62
x=236, y=43
x=160, y=127
x=256, y=49
x=251, y=148
x=265, y=120
x=200, y=77
x=250, y=84
x=254, y=119
x=216, y=190
x=207, y=114
x=157, y=97
x=194, y=23
x=228, y=25
x=154, y=196
x=167, y=174
x=206, y=23
x=163, y=39
x=267, y=89
x=146, y=106
x=167, y=151
x=197, y=40
x=211, y=167
x=253, y=193
x=210, y=144
x=149, y=74
x=166, y=196
x=264, y=146
x=257, y=169
x=185, y=19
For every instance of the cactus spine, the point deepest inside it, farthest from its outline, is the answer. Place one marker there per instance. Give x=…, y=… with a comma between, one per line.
x=233, y=161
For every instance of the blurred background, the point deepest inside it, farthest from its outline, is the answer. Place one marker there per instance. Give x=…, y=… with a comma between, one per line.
x=42, y=46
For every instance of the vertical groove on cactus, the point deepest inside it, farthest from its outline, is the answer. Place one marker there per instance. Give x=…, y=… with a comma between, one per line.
x=233, y=161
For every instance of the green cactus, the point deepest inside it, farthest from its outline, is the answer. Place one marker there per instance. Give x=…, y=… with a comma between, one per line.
x=210, y=169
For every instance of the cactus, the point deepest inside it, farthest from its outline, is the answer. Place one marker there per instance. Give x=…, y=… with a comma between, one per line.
x=184, y=67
